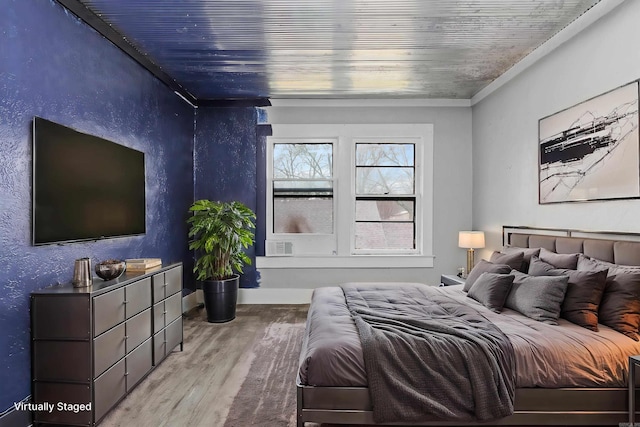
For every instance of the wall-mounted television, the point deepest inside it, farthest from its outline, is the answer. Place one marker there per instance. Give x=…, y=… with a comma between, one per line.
x=84, y=187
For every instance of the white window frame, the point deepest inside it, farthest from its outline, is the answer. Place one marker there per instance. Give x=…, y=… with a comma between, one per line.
x=336, y=251
x=309, y=243
x=418, y=145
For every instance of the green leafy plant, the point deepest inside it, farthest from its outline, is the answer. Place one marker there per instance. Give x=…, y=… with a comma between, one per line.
x=219, y=232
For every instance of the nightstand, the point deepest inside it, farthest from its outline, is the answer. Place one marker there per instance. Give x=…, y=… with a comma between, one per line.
x=634, y=361
x=451, y=279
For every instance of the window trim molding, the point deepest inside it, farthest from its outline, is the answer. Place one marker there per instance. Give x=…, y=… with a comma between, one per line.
x=342, y=256
x=351, y=261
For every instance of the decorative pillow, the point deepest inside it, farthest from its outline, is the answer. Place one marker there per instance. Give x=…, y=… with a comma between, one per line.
x=537, y=297
x=513, y=260
x=620, y=305
x=528, y=253
x=586, y=263
x=569, y=261
x=484, y=266
x=491, y=290
x=584, y=292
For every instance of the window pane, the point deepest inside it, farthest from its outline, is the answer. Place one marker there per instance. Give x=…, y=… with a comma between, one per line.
x=384, y=235
x=384, y=154
x=384, y=210
x=303, y=161
x=376, y=180
x=303, y=215
x=305, y=187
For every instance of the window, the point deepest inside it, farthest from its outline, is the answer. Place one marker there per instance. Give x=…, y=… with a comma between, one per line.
x=385, y=197
x=338, y=192
x=303, y=188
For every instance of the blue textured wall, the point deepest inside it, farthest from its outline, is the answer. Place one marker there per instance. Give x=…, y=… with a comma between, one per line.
x=54, y=66
x=226, y=155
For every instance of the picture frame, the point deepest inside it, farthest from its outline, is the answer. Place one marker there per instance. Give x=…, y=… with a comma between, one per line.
x=591, y=151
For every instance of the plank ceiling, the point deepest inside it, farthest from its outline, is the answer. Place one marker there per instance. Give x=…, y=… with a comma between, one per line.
x=239, y=49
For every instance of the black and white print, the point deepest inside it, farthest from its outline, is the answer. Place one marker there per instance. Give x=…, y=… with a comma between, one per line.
x=591, y=150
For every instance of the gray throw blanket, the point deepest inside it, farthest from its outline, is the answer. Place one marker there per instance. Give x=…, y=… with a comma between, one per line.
x=429, y=357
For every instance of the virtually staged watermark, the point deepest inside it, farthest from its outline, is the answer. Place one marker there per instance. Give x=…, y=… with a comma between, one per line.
x=50, y=407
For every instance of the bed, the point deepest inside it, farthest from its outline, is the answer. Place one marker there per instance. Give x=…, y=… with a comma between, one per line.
x=587, y=388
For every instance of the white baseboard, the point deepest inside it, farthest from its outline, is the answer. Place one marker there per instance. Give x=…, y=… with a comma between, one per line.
x=274, y=296
x=255, y=296
x=191, y=301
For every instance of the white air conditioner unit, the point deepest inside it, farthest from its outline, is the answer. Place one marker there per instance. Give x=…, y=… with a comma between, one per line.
x=279, y=248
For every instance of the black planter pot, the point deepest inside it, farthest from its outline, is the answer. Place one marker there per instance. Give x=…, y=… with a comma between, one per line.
x=220, y=299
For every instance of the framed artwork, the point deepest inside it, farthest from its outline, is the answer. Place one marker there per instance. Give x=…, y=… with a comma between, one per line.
x=591, y=151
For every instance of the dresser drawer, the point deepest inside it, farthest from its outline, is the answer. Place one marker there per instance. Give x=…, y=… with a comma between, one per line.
x=138, y=329
x=62, y=392
x=62, y=360
x=173, y=281
x=173, y=335
x=108, y=389
x=173, y=308
x=108, y=311
x=158, y=287
x=158, y=317
x=159, y=347
x=138, y=297
x=56, y=317
x=108, y=348
x=139, y=363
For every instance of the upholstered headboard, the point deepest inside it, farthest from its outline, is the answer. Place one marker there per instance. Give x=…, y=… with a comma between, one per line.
x=621, y=248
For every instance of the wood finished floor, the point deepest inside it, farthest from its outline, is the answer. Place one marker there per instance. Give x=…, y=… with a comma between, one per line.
x=196, y=387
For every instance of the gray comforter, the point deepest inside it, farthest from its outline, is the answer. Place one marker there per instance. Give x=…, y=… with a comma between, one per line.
x=455, y=364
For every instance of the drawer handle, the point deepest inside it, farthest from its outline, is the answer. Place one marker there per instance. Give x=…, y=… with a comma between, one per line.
x=126, y=302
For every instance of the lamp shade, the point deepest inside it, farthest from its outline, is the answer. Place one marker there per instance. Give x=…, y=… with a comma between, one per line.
x=471, y=239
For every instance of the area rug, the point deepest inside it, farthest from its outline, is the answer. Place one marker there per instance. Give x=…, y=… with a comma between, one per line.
x=267, y=396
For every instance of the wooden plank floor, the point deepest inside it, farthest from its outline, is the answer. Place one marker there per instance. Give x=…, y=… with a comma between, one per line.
x=196, y=387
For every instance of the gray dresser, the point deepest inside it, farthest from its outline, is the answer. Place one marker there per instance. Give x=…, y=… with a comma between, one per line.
x=91, y=346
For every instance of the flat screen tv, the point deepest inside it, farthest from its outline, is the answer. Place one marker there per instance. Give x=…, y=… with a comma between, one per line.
x=84, y=187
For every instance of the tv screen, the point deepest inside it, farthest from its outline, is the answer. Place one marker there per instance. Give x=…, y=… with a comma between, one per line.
x=84, y=187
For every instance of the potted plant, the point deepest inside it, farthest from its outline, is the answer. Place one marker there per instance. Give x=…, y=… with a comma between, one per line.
x=219, y=233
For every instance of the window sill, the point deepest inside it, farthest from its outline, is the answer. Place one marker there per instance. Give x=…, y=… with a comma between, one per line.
x=355, y=261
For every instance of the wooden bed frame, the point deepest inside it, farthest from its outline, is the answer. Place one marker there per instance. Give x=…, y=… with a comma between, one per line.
x=533, y=406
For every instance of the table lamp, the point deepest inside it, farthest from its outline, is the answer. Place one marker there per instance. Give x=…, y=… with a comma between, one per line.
x=470, y=240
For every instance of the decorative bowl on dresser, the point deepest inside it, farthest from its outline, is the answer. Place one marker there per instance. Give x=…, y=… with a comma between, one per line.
x=91, y=346
x=110, y=269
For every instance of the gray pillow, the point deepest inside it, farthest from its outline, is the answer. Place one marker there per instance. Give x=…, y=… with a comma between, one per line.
x=559, y=260
x=537, y=297
x=620, y=305
x=491, y=290
x=584, y=292
x=484, y=266
x=513, y=260
x=528, y=253
x=586, y=263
